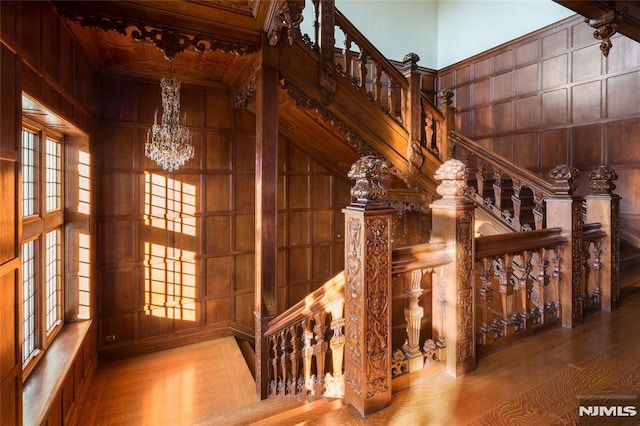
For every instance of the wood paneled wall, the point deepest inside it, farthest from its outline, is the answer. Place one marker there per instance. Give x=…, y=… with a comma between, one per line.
x=218, y=295
x=38, y=56
x=550, y=98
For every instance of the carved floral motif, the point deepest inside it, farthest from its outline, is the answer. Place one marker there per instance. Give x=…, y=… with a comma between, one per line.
x=289, y=16
x=170, y=41
x=464, y=263
x=564, y=178
x=352, y=297
x=453, y=175
x=370, y=174
x=601, y=180
x=378, y=287
x=444, y=98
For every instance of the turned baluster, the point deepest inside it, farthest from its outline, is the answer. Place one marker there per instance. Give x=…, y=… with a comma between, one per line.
x=505, y=276
x=524, y=287
x=337, y=340
x=553, y=303
x=319, y=350
x=516, y=201
x=362, y=66
x=480, y=169
x=395, y=95
x=540, y=286
x=307, y=354
x=538, y=210
x=377, y=85
x=486, y=292
x=413, y=314
x=335, y=381
x=429, y=130
x=348, y=57
x=498, y=187
x=294, y=357
x=282, y=385
x=272, y=344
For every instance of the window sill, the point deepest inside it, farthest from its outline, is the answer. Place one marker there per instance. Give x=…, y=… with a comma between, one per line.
x=45, y=381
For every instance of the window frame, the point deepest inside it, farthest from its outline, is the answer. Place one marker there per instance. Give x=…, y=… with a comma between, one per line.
x=35, y=228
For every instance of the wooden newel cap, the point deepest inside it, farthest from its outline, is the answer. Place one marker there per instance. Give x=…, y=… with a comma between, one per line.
x=601, y=180
x=453, y=175
x=564, y=177
x=370, y=174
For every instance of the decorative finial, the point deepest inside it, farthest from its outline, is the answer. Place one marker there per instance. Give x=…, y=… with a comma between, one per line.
x=453, y=175
x=601, y=180
x=564, y=177
x=444, y=97
x=370, y=174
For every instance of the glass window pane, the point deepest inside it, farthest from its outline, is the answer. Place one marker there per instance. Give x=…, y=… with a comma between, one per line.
x=28, y=300
x=28, y=173
x=54, y=175
x=53, y=280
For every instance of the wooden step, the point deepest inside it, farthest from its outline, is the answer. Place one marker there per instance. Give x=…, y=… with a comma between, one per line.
x=256, y=412
x=307, y=411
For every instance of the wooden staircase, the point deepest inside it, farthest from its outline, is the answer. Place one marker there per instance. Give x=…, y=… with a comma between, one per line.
x=271, y=412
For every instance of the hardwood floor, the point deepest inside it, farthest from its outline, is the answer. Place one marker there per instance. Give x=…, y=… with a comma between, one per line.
x=179, y=386
x=535, y=382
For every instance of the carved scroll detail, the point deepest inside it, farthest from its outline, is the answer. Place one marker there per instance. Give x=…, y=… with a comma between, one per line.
x=352, y=298
x=378, y=287
x=169, y=40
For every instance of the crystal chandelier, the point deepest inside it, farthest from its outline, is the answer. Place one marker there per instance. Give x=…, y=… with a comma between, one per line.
x=169, y=143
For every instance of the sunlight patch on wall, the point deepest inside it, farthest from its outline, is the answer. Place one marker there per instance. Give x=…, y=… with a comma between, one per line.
x=170, y=282
x=170, y=204
x=84, y=182
x=84, y=276
x=170, y=270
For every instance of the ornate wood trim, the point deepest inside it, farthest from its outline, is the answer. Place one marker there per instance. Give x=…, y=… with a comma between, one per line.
x=171, y=41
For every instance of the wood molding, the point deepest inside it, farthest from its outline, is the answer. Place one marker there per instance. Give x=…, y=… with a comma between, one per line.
x=169, y=40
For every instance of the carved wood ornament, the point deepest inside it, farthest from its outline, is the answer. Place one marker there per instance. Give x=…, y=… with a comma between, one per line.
x=606, y=25
x=285, y=14
x=352, y=297
x=170, y=40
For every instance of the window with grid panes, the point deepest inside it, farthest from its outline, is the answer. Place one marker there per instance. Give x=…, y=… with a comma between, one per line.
x=42, y=240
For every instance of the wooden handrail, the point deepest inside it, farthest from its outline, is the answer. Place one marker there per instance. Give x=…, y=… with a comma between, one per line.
x=517, y=242
x=404, y=259
x=428, y=106
x=530, y=179
x=419, y=256
x=592, y=231
x=356, y=36
x=330, y=291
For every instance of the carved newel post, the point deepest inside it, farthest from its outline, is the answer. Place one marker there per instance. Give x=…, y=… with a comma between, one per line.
x=368, y=289
x=453, y=219
x=603, y=206
x=564, y=210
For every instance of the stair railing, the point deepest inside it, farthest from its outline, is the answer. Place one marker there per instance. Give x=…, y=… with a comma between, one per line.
x=512, y=194
x=299, y=339
x=518, y=286
x=394, y=88
x=368, y=70
x=306, y=342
